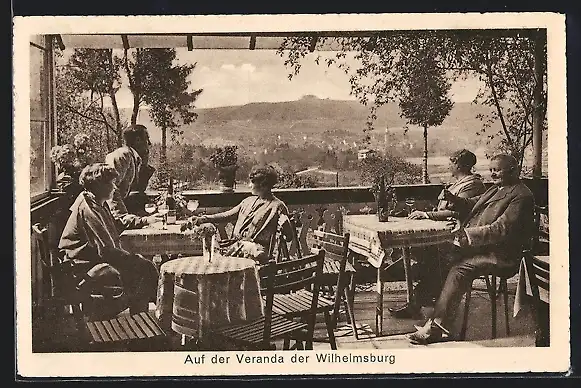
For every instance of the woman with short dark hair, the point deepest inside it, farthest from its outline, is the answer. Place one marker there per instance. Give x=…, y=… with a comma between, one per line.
x=467, y=185
x=257, y=217
x=91, y=235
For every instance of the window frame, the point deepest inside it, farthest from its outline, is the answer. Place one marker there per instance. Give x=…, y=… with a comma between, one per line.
x=49, y=121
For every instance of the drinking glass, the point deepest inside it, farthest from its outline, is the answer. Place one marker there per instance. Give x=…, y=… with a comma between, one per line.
x=193, y=205
x=163, y=210
x=150, y=208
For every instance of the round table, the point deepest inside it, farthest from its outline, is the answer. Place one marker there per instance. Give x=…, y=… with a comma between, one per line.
x=195, y=294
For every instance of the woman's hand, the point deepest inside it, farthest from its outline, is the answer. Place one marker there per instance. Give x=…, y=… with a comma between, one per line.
x=418, y=215
x=198, y=220
x=193, y=221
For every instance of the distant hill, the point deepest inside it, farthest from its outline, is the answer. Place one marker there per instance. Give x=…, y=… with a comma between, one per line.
x=322, y=121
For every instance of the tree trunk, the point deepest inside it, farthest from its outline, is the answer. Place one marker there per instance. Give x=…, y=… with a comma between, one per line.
x=163, y=155
x=134, y=84
x=135, y=109
x=108, y=140
x=538, y=114
x=425, y=178
x=117, y=116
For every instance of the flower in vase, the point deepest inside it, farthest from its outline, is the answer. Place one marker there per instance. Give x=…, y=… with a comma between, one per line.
x=205, y=230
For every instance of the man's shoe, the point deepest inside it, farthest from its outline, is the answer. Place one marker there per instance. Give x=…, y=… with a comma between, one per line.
x=405, y=311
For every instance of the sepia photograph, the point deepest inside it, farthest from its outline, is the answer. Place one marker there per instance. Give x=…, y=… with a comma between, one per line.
x=297, y=194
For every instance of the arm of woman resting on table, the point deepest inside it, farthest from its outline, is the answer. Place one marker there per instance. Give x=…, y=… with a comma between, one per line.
x=227, y=215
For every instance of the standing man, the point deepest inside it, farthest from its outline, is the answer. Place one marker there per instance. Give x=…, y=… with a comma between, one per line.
x=131, y=164
x=490, y=240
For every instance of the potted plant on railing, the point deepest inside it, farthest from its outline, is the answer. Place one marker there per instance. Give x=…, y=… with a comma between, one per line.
x=225, y=159
x=70, y=159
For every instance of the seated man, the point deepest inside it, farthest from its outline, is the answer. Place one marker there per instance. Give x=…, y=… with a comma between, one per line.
x=257, y=218
x=433, y=261
x=90, y=235
x=133, y=173
x=490, y=240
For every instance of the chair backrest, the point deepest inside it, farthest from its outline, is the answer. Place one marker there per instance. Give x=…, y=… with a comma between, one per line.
x=58, y=273
x=333, y=219
x=40, y=234
x=537, y=270
x=309, y=220
x=279, y=243
x=337, y=252
x=538, y=233
x=290, y=276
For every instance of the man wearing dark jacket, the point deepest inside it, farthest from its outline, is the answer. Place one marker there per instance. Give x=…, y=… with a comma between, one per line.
x=490, y=240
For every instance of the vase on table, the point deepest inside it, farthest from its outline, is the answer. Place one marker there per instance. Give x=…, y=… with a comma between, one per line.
x=227, y=177
x=209, y=245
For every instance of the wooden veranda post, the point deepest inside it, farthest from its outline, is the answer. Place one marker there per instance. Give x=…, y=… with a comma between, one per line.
x=538, y=114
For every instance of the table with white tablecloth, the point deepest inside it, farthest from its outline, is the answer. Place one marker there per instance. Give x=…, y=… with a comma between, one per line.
x=195, y=294
x=374, y=240
x=524, y=289
x=155, y=240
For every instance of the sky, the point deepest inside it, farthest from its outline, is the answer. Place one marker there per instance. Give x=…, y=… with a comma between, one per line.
x=238, y=77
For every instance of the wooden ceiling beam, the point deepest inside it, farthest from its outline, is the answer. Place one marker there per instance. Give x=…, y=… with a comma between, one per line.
x=125, y=40
x=313, y=44
x=190, y=43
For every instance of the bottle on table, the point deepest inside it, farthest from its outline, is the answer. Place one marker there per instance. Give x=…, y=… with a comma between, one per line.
x=171, y=216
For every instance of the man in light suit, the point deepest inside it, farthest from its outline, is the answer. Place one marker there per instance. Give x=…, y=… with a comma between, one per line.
x=131, y=164
x=490, y=240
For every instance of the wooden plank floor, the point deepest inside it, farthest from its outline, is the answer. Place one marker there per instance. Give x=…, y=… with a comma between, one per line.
x=395, y=330
x=59, y=336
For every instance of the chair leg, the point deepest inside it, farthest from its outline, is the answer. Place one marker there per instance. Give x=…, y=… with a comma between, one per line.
x=351, y=313
x=286, y=343
x=504, y=283
x=330, y=332
x=491, y=286
x=465, y=318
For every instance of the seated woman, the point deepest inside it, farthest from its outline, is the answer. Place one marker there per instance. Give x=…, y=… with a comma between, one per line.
x=433, y=260
x=90, y=235
x=257, y=218
x=467, y=185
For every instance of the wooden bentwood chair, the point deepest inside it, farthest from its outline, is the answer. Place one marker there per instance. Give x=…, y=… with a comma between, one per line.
x=278, y=278
x=538, y=272
x=490, y=280
x=137, y=332
x=297, y=304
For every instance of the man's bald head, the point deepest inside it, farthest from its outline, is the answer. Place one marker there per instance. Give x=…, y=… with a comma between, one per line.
x=506, y=162
x=504, y=169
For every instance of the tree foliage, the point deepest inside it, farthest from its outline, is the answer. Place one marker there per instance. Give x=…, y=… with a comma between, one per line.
x=395, y=169
x=76, y=113
x=156, y=81
x=424, y=99
x=87, y=93
x=96, y=72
